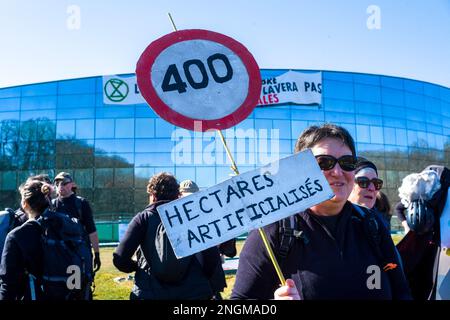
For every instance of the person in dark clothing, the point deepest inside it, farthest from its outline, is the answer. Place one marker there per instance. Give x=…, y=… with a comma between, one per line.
x=228, y=248
x=399, y=210
x=383, y=206
x=421, y=247
x=334, y=258
x=77, y=207
x=22, y=255
x=20, y=215
x=367, y=187
x=159, y=275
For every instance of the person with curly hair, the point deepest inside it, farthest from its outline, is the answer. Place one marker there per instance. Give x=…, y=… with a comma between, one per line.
x=159, y=275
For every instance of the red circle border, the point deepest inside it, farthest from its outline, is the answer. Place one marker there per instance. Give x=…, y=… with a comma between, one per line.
x=154, y=49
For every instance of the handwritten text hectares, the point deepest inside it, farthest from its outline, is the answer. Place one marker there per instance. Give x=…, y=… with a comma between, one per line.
x=242, y=203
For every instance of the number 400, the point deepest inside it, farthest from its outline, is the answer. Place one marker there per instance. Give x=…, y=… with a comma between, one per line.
x=180, y=86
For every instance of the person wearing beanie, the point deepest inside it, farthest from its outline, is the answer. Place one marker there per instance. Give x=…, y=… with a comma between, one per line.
x=367, y=184
x=366, y=190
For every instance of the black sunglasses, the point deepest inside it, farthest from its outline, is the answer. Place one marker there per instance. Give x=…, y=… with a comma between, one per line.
x=364, y=182
x=327, y=162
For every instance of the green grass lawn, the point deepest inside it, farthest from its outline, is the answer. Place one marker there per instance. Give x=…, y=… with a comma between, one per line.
x=105, y=286
x=107, y=289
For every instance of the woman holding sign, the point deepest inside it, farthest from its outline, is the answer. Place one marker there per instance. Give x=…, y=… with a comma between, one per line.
x=334, y=250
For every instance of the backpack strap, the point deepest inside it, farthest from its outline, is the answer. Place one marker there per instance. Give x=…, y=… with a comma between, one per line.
x=78, y=206
x=12, y=218
x=372, y=230
x=289, y=230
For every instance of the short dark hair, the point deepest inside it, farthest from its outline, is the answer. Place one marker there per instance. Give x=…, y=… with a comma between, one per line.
x=164, y=186
x=313, y=134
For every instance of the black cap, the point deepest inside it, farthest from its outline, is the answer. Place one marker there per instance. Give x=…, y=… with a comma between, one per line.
x=66, y=177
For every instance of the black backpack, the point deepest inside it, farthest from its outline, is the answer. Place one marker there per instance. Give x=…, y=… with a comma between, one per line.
x=78, y=206
x=7, y=218
x=290, y=230
x=67, y=255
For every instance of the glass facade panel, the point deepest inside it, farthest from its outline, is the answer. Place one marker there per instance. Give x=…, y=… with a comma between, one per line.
x=369, y=119
x=392, y=97
x=367, y=79
x=163, y=129
x=10, y=104
x=338, y=105
x=391, y=82
x=413, y=100
x=145, y=128
x=402, y=125
x=363, y=133
x=338, y=90
x=297, y=128
x=367, y=93
x=340, y=76
x=114, y=145
x=77, y=86
x=40, y=89
x=413, y=86
x=124, y=128
x=104, y=128
x=431, y=90
x=339, y=117
x=41, y=114
x=74, y=113
x=376, y=135
x=38, y=103
x=115, y=112
x=9, y=180
x=85, y=129
x=65, y=129
x=4, y=116
x=76, y=101
x=10, y=92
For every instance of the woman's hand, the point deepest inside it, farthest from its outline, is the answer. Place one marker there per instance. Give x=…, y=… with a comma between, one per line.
x=287, y=292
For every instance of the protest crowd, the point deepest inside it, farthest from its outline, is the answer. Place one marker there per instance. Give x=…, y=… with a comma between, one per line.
x=340, y=248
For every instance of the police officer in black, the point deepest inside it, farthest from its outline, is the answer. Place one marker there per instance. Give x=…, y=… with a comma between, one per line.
x=77, y=207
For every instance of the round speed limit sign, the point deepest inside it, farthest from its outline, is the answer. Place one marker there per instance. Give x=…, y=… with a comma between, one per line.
x=199, y=79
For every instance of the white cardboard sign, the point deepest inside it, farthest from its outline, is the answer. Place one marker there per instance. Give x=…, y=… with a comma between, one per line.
x=191, y=76
x=245, y=202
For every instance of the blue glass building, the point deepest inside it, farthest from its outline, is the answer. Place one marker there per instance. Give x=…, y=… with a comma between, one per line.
x=402, y=125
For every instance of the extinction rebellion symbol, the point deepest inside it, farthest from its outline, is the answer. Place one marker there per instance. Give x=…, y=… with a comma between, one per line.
x=116, y=90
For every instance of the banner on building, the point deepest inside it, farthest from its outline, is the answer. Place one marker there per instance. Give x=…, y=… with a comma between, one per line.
x=291, y=87
x=121, y=90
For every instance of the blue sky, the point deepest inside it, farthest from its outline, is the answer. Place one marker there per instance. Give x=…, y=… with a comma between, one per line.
x=412, y=41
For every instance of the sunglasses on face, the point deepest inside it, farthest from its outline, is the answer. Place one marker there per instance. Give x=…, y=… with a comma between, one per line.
x=364, y=182
x=327, y=162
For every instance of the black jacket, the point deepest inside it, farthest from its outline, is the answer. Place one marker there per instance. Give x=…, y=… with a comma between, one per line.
x=326, y=266
x=68, y=205
x=141, y=232
x=22, y=254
